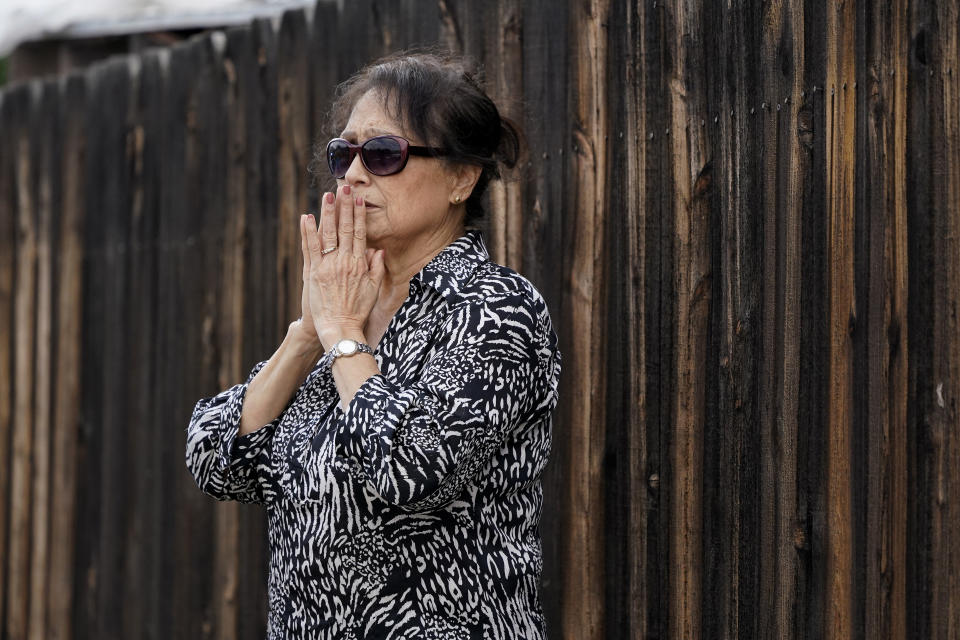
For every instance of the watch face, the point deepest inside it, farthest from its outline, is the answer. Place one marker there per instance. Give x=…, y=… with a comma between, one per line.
x=347, y=346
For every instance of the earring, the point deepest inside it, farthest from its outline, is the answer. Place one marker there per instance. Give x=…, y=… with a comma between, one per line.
x=456, y=200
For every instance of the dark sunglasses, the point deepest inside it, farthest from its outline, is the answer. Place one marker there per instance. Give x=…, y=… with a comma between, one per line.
x=382, y=155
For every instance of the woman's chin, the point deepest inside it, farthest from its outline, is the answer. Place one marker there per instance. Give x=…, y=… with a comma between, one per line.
x=374, y=239
x=375, y=226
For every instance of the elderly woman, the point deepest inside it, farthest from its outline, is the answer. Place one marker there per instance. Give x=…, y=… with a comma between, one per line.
x=398, y=434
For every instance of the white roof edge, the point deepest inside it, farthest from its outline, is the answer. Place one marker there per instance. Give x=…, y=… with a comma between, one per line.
x=23, y=28
x=100, y=28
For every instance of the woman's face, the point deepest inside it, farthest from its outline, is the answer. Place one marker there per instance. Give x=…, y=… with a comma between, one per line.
x=407, y=209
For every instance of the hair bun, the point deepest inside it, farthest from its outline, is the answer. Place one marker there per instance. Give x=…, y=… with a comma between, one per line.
x=510, y=145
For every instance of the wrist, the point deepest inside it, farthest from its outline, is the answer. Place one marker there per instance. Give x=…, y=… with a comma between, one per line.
x=303, y=340
x=333, y=335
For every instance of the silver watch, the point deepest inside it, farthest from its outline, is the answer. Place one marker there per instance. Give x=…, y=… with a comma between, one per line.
x=345, y=348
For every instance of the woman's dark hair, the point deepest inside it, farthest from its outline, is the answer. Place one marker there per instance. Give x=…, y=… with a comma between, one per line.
x=440, y=99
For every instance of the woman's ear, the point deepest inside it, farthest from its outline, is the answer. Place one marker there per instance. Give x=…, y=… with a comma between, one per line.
x=465, y=179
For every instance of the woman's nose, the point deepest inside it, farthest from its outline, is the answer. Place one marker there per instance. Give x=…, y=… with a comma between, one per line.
x=356, y=173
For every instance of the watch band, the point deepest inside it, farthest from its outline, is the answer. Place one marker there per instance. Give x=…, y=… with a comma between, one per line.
x=346, y=348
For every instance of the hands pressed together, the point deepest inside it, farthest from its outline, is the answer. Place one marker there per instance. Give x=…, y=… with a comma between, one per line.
x=341, y=275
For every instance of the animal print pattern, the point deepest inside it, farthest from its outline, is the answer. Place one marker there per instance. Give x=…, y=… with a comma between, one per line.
x=414, y=514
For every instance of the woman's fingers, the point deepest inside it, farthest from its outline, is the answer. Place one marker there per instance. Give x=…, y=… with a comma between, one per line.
x=359, y=226
x=377, y=268
x=304, y=248
x=309, y=227
x=345, y=226
x=328, y=221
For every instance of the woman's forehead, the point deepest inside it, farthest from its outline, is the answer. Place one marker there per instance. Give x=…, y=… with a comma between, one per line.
x=369, y=118
x=367, y=132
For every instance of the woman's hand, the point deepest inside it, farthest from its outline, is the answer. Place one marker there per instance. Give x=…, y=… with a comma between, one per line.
x=305, y=324
x=340, y=286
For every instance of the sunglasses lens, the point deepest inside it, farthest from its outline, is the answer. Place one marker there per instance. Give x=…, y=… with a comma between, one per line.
x=383, y=156
x=338, y=158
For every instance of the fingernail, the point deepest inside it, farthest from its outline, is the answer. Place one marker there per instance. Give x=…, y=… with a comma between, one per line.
x=346, y=190
x=329, y=197
x=359, y=201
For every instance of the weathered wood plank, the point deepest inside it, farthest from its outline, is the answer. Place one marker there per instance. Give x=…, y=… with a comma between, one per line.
x=813, y=383
x=794, y=183
x=267, y=330
x=208, y=167
x=261, y=332
x=886, y=416
x=229, y=338
x=545, y=96
x=505, y=211
x=408, y=24
x=90, y=461
x=357, y=41
x=923, y=125
x=659, y=315
x=21, y=461
x=627, y=592
x=47, y=154
x=8, y=244
x=692, y=177
x=193, y=76
x=733, y=426
x=113, y=101
x=134, y=359
x=293, y=157
x=149, y=441
x=67, y=383
x=463, y=32
x=787, y=169
x=944, y=579
x=842, y=316
x=208, y=161
x=583, y=557
x=167, y=183
x=255, y=77
x=147, y=529
x=323, y=81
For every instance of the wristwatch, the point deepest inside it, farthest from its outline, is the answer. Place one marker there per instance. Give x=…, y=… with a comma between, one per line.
x=345, y=348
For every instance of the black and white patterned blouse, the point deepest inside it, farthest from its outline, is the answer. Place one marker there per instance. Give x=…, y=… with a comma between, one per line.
x=414, y=514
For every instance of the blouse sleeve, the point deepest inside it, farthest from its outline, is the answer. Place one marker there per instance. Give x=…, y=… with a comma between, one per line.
x=493, y=370
x=223, y=464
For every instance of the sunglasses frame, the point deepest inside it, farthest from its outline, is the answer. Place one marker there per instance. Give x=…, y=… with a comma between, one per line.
x=406, y=150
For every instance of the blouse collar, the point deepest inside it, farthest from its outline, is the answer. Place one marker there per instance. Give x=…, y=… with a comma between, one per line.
x=453, y=267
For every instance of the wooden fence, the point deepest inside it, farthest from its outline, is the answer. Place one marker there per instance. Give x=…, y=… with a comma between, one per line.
x=745, y=217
